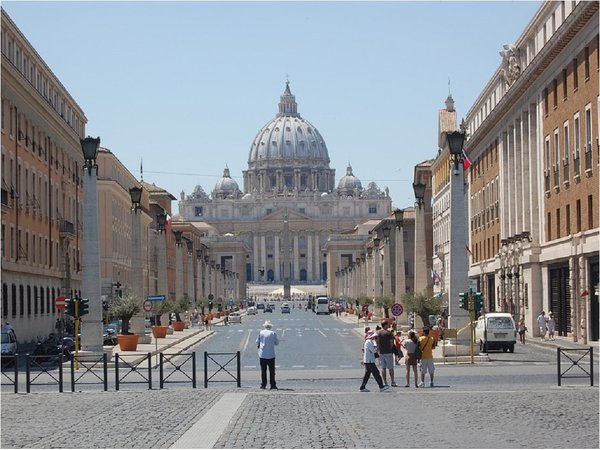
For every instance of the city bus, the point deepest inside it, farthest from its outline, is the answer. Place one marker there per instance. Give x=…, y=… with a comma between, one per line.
x=322, y=305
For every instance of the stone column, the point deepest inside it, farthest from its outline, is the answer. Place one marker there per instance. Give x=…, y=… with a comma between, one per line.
x=178, y=272
x=296, y=259
x=91, y=334
x=163, y=286
x=255, y=256
x=137, y=322
x=400, y=287
x=387, y=268
x=263, y=253
x=420, y=251
x=376, y=273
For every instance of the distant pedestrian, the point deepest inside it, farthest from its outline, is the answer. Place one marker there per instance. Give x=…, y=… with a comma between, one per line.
x=410, y=361
x=522, y=329
x=398, y=346
x=266, y=342
x=542, y=325
x=368, y=361
x=551, y=324
x=427, y=344
x=385, y=344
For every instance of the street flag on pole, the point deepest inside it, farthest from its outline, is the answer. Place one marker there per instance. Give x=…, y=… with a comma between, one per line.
x=466, y=161
x=168, y=221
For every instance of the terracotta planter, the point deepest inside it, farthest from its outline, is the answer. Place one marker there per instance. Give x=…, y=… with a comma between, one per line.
x=178, y=325
x=128, y=342
x=159, y=331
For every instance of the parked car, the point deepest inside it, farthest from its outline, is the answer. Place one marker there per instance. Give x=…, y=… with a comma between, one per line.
x=252, y=310
x=260, y=306
x=9, y=344
x=285, y=308
x=235, y=317
x=268, y=308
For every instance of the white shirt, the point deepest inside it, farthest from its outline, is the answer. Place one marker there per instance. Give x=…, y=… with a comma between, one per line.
x=266, y=341
x=542, y=321
x=369, y=348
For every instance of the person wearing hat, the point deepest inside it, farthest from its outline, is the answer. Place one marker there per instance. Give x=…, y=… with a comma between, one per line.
x=551, y=325
x=369, y=349
x=266, y=342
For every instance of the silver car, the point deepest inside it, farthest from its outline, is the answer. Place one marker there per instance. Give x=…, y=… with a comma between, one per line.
x=235, y=317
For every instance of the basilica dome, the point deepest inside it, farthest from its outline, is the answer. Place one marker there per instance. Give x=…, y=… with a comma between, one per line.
x=349, y=182
x=288, y=138
x=226, y=187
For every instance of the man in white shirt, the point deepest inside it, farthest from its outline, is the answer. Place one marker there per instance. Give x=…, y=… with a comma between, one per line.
x=542, y=324
x=266, y=342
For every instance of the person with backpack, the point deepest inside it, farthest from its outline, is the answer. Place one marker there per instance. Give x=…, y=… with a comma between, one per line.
x=411, y=345
x=426, y=345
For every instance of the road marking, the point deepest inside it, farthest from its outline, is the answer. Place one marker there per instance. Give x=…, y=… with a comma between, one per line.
x=206, y=432
x=249, y=367
x=297, y=367
x=245, y=345
x=322, y=367
x=346, y=366
x=322, y=333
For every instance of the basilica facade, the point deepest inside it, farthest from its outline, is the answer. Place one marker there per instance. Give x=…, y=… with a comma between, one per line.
x=289, y=206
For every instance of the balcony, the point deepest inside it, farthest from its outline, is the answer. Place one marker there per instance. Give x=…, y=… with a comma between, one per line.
x=556, y=179
x=66, y=229
x=566, y=173
x=547, y=183
x=588, y=160
x=4, y=198
x=576, y=171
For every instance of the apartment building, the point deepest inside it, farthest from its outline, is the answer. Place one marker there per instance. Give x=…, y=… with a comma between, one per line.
x=41, y=188
x=533, y=199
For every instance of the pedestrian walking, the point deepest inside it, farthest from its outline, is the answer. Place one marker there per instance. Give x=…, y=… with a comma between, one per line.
x=398, y=346
x=551, y=325
x=410, y=361
x=522, y=329
x=369, y=349
x=427, y=344
x=542, y=325
x=266, y=342
x=385, y=345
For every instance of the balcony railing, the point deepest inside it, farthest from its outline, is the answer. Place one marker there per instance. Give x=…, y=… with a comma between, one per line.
x=566, y=171
x=576, y=165
x=547, y=181
x=64, y=226
x=556, y=176
x=588, y=157
x=4, y=197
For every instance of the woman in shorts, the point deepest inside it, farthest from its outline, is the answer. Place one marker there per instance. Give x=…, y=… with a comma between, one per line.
x=410, y=361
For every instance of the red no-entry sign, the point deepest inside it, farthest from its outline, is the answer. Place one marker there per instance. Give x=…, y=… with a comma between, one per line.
x=60, y=302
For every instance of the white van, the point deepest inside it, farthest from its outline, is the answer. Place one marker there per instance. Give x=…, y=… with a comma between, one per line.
x=322, y=305
x=496, y=331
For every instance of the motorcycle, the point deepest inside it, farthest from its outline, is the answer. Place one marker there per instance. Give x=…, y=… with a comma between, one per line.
x=49, y=349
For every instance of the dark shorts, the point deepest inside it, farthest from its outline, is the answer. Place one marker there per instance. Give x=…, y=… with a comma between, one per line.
x=410, y=360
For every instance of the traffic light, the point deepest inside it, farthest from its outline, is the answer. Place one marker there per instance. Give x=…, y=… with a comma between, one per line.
x=70, y=307
x=464, y=300
x=210, y=305
x=83, y=306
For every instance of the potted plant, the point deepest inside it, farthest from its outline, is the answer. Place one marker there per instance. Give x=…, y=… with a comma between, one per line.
x=177, y=307
x=125, y=308
x=160, y=309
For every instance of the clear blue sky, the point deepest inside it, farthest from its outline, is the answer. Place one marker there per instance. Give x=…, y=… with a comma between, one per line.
x=187, y=85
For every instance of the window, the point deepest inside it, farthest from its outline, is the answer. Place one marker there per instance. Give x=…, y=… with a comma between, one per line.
x=587, y=63
x=575, y=77
x=555, y=93
x=546, y=101
x=564, y=84
x=576, y=138
x=557, y=223
x=578, y=216
x=549, y=228
x=588, y=138
x=590, y=212
x=372, y=209
x=566, y=151
x=198, y=211
x=556, y=157
x=568, y=218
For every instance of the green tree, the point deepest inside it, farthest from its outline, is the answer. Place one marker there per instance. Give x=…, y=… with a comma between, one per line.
x=385, y=302
x=423, y=305
x=124, y=308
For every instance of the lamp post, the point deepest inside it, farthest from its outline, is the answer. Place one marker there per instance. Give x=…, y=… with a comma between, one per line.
x=421, y=284
x=191, y=286
x=400, y=286
x=387, y=262
x=376, y=268
x=91, y=334
x=137, y=272
x=161, y=254
x=459, y=262
x=178, y=264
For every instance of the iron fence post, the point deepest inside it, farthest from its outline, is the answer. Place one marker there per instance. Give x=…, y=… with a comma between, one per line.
x=205, y=370
x=194, y=370
x=116, y=371
x=558, y=364
x=73, y=372
x=105, y=367
x=160, y=371
x=27, y=374
x=591, y=366
x=150, y=370
x=239, y=370
x=60, y=372
x=16, y=364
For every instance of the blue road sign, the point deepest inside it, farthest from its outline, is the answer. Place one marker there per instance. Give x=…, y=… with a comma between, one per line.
x=155, y=298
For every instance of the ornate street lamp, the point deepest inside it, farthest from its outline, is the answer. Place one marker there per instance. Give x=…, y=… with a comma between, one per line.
x=386, y=233
x=419, y=189
x=136, y=197
x=90, y=146
x=161, y=220
x=178, y=234
x=456, y=140
x=376, y=242
x=399, y=217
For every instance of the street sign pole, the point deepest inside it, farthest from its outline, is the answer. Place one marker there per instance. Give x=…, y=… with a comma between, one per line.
x=471, y=319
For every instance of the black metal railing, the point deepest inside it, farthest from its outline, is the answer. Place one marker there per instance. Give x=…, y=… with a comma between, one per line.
x=132, y=370
x=88, y=363
x=10, y=371
x=575, y=362
x=40, y=371
x=222, y=367
x=168, y=368
x=66, y=227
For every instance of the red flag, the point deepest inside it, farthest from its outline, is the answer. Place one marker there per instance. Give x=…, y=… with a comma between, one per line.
x=466, y=161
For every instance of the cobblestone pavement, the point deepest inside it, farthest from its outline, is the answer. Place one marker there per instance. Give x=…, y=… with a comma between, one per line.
x=310, y=414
